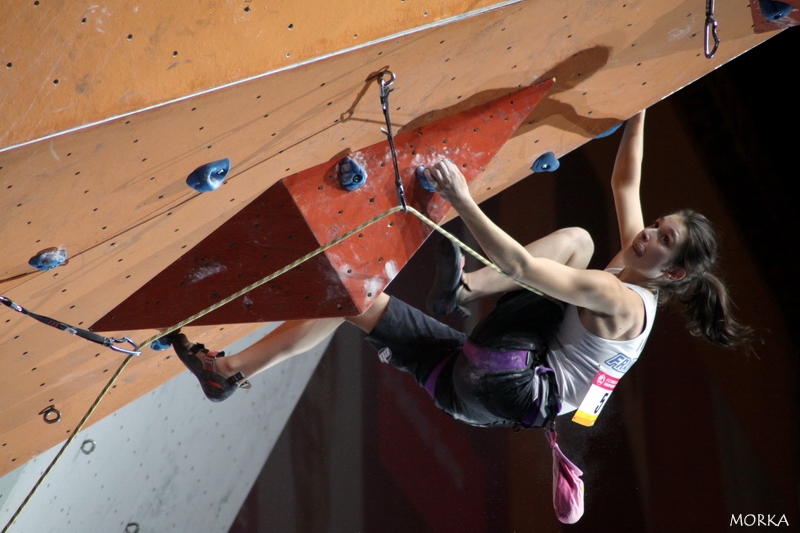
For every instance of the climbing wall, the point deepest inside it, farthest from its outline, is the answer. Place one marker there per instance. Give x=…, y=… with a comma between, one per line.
x=146, y=468
x=313, y=208
x=69, y=64
x=106, y=109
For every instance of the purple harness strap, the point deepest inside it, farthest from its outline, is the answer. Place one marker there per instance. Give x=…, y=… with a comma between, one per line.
x=537, y=414
x=482, y=359
x=494, y=361
x=430, y=383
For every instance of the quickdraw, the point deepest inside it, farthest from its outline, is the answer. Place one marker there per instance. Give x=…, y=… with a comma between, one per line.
x=108, y=342
x=385, y=90
x=710, y=31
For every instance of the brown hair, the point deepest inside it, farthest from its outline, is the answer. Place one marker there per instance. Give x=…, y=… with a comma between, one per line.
x=704, y=296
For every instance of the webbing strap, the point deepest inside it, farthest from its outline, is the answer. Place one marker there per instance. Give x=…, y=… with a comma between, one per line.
x=109, y=342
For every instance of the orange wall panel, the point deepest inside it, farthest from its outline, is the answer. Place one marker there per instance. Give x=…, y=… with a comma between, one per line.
x=96, y=163
x=66, y=64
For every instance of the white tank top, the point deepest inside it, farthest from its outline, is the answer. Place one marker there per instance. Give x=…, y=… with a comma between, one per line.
x=576, y=354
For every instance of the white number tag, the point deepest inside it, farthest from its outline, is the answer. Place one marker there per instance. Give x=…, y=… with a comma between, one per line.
x=595, y=399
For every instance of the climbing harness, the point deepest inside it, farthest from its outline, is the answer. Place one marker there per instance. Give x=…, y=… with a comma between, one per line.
x=385, y=90
x=710, y=31
x=108, y=342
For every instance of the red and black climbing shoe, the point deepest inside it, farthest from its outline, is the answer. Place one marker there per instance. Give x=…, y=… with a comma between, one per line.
x=448, y=283
x=215, y=386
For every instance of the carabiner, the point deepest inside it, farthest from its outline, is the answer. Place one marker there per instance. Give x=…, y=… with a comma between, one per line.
x=110, y=343
x=710, y=31
x=13, y=305
x=382, y=82
x=385, y=90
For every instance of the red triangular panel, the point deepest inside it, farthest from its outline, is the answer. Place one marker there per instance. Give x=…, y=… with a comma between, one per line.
x=309, y=209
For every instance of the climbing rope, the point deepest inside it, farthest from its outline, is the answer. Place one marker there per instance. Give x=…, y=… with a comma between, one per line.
x=272, y=276
x=470, y=251
x=234, y=296
x=69, y=440
x=321, y=249
x=88, y=335
x=175, y=328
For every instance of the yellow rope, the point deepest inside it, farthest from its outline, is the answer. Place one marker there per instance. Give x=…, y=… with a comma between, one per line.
x=271, y=276
x=69, y=441
x=469, y=250
x=174, y=328
x=232, y=297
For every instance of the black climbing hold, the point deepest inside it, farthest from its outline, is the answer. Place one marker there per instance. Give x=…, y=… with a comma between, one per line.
x=546, y=163
x=774, y=10
x=609, y=131
x=210, y=176
x=420, y=174
x=48, y=259
x=351, y=174
x=160, y=344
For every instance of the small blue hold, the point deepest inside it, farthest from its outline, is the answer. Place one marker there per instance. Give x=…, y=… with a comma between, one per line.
x=546, y=163
x=160, y=344
x=210, y=176
x=351, y=175
x=48, y=259
x=774, y=10
x=420, y=173
x=609, y=131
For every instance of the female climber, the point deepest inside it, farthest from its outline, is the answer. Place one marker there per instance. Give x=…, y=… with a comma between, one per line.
x=533, y=357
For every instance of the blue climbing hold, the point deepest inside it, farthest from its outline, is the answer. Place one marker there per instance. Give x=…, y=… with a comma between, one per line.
x=609, y=131
x=774, y=10
x=420, y=174
x=546, y=163
x=160, y=344
x=48, y=259
x=351, y=174
x=210, y=176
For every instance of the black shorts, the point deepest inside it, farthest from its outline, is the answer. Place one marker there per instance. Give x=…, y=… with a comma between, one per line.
x=412, y=341
x=416, y=343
